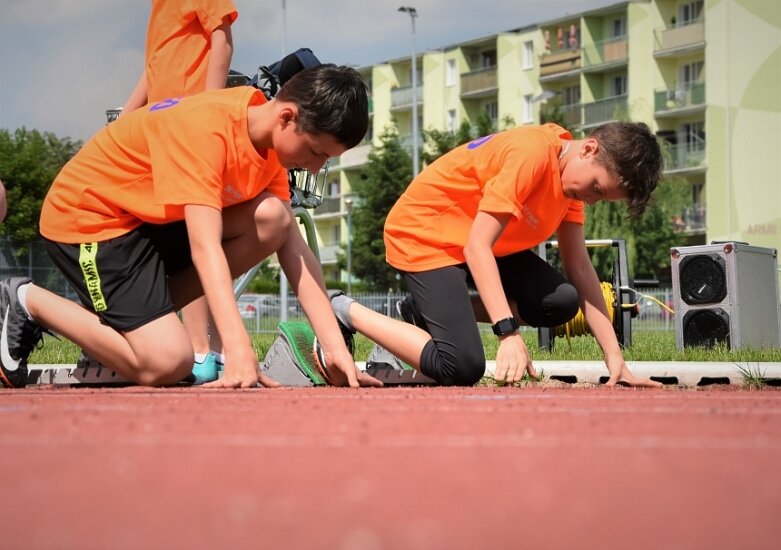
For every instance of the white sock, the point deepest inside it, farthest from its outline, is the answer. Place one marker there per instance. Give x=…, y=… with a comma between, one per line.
x=21, y=293
x=200, y=357
x=220, y=358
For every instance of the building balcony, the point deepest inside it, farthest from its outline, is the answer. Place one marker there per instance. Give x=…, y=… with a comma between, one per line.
x=479, y=83
x=691, y=220
x=329, y=253
x=606, y=54
x=559, y=63
x=680, y=100
x=604, y=110
x=677, y=40
x=571, y=116
x=685, y=158
x=401, y=98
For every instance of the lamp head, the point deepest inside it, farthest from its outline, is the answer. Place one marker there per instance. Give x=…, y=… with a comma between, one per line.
x=410, y=10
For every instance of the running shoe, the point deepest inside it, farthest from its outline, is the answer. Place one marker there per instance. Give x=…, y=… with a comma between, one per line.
x=408, y=311
x=19, y=335
x=206, y=370
x=340, y=303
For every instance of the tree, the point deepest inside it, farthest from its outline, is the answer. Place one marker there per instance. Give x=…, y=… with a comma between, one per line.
x=388, y=172
x=29, y=162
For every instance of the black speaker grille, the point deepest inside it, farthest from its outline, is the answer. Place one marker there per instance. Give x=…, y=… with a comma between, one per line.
x=705, y=328
x=703, y=279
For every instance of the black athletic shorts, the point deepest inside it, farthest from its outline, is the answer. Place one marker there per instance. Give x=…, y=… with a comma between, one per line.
x=125, y=280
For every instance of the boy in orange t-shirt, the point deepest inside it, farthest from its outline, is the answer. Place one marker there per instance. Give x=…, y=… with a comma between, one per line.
x=189, y=46
x=473, y=218
x=171, y=202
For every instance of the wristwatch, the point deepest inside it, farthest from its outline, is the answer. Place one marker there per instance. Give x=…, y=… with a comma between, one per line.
x=505, y=326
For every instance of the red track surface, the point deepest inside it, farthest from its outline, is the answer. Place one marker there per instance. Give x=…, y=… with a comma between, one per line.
x=400, y=468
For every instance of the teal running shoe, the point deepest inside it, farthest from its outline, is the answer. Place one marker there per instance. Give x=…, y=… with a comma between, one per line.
x=205, y=371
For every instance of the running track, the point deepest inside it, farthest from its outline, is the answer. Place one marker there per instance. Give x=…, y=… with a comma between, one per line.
x=402, y=468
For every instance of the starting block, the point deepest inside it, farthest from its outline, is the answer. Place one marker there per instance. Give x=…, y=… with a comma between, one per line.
x=392, y=371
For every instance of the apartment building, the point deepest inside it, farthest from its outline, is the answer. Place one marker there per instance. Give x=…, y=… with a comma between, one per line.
x=705, y=75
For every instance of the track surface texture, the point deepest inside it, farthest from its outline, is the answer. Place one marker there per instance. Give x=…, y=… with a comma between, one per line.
x=392, y=468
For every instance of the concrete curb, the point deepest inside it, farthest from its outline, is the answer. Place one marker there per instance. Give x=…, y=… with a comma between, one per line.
x=595, y=372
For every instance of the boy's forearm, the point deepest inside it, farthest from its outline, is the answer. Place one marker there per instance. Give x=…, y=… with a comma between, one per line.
x=3, y=203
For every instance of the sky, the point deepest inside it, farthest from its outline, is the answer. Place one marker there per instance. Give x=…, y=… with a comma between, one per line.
x=64, y=62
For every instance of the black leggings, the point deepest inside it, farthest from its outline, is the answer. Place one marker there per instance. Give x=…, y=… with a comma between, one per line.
x=454, y=356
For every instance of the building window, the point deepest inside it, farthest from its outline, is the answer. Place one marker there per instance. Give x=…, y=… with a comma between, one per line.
x=528, y=55
x=691, y=72
x=689, y=12
x=492, y=110
x=450, y=74
x=694, y=136
x=618, y=85
x=488, y=59
x=334, y=188
x=528, y=109
x=619, y=27
x=451, y=121
x=571, y=95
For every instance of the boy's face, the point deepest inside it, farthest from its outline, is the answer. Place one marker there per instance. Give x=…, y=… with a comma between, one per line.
x=298, y=149
x=585, y=179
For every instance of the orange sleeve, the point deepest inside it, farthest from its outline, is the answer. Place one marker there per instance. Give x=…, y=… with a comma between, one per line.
x=576, y=213
x=211, y=13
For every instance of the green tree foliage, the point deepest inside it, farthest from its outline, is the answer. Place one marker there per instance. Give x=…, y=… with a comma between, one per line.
x=648, y=238
x=29, y=162
x=388, y=172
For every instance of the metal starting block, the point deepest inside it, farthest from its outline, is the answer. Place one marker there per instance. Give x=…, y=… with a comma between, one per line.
x=392, y=371
x=69, y=375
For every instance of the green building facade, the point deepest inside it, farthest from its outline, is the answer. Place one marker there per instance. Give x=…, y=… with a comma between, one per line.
x=705, y=75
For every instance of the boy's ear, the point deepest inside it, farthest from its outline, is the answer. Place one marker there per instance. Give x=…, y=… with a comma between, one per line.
x=589, y=148
x=288, y=114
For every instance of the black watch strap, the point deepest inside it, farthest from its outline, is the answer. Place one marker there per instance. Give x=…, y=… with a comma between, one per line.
x=505, y=326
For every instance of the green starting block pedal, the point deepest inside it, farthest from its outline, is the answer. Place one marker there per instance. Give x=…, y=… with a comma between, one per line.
x=290, y=360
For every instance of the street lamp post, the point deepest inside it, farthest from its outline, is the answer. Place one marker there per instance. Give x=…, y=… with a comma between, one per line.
x=348, y=204
x=413, y=13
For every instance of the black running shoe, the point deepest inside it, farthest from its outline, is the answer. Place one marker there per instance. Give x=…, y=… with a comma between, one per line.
x=408, y=311
x=19, y=335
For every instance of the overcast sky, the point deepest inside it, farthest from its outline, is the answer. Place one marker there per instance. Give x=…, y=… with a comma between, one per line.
x=64, y=62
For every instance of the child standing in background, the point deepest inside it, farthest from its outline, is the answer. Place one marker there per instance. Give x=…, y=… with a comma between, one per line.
x=188, y=50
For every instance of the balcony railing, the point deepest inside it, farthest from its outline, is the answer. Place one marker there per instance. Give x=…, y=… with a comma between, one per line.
x=481, y=80
x=692, y=219
x=328, y=253
x=401, y=98
x=605, y=52
x=679, y=38
x=571, y=116
x=604, y=110
x=685, y=156
x=561, y=61
x=686, y=95
x=330, y=205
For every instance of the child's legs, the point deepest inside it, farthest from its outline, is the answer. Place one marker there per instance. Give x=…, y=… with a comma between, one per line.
x=195, y=318
x=542, y=295
x=128, y=321
x=454, y=355
x=252, y=231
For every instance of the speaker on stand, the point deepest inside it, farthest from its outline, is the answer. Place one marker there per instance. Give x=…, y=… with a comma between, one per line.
x=726, y=293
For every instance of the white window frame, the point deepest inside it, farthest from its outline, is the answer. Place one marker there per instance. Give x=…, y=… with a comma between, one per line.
x=528, y=55
x=450, y=73
x=527, y=113
x=452, y=121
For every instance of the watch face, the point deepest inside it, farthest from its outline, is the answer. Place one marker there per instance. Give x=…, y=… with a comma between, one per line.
x=505, y=326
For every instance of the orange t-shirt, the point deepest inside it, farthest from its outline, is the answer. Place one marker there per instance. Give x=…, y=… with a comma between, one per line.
x=178, y=44
x=513, y=172
x=150, y=163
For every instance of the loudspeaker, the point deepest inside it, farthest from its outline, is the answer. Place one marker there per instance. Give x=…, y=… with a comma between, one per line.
x=726, y=292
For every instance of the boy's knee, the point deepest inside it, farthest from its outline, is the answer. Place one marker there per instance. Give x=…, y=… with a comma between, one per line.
x=272, y=212
x=556, y=308
x=166, y=367
x=465, y=370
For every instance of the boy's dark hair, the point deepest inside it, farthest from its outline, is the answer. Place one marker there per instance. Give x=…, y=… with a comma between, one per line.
x=630, y=151
x=330, y=99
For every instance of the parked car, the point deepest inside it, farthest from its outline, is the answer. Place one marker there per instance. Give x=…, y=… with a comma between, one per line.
x=252, y=306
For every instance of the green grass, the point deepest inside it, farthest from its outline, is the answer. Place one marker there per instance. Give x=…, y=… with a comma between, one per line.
x=646, y=346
